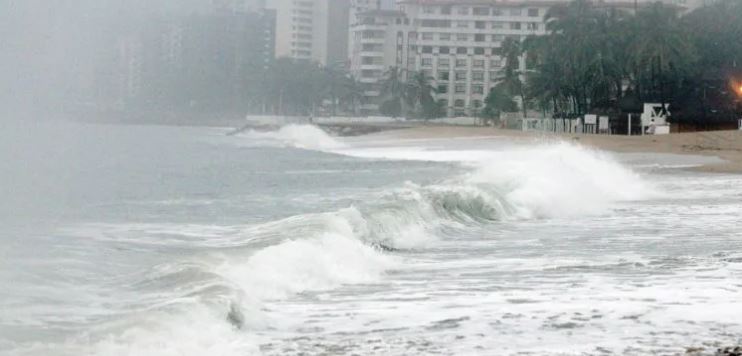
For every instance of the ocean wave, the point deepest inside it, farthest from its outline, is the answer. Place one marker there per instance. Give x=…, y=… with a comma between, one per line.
x=258, y=263
x=297, y=136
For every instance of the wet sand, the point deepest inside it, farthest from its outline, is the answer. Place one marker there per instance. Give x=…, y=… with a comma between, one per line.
x=726, y=145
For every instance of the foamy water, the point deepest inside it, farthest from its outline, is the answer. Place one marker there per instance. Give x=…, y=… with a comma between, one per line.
x=294, y=242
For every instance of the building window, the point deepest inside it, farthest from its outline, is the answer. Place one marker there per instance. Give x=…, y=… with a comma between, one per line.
x=460, y=63
x=477, y=63
x=444, y=62
x=428, y=36
x=477, y=89
x=476, y=104
x=515, y=12
x=443, y=103
x=427, y=62
x=459, y=103
x=428, y=10
x=498, y=38
x=427, y=49
x=460, y=75
x=496, y=63
x=443, y=89
x=496, y=12
x=462, y=24
x=479, y=37
x=462, y=10
x=493, y=75
x=498, y=25
x=481, y=11
x=462, y=37
x=411, y=62
x=532, y=26
x=443, y=75
x=532, y=12
x=444, y=50
x=477, y=76
x=481, y=25
x=444, y=37
x=515, y=25
x=446, y=10
x=460, y=89
x=479, y=51
x=461, y=50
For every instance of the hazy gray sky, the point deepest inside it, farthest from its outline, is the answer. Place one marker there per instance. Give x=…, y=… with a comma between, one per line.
x=48, y=47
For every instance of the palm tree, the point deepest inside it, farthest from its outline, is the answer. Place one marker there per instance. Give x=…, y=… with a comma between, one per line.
x=661, y=47
x=512, y=50
x=394, y=91
x=498, y=101
x=420, y=95
x=352, y=94
x=394, y=83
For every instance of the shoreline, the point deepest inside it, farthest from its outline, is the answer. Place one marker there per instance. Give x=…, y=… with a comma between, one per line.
x=725, y=145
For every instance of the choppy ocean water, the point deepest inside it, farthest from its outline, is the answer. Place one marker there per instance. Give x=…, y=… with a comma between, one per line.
x=128, y=240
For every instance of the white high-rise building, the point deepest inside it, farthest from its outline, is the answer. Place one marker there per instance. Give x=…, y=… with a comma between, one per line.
x=380, y=41
x=359, y=7
x=453, y=42
x=312, y=29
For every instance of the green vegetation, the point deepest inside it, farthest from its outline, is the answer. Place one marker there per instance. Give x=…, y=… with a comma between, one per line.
x=412, y=97
x=598, y=59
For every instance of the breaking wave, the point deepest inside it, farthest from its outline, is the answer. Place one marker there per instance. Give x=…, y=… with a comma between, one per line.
x=297, y=136
x=358, y=244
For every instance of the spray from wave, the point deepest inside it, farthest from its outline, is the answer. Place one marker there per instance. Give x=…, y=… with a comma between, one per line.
x=297, y=136
x=316, y=252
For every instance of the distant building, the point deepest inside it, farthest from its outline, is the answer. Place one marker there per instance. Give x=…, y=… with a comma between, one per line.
x=454, y=42
x=381, y=40
x=358, y=7
x=314, y=30
x=205, y=60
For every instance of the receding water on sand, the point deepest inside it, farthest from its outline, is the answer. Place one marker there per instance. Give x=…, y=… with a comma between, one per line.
x=293, y=242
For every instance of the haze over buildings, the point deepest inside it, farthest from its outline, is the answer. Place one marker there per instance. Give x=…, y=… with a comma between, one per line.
x=312, y=29
x=109, y=52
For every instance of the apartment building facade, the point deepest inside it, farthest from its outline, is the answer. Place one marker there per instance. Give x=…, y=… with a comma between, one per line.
x=314, y=30
x=455, y=43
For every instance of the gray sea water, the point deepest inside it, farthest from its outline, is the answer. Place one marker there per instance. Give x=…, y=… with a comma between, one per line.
x=146, y=240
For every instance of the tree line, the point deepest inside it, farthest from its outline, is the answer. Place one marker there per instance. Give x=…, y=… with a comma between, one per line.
x=604, y=60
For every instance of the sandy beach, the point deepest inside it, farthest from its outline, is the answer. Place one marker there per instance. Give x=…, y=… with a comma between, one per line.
x=726, y=145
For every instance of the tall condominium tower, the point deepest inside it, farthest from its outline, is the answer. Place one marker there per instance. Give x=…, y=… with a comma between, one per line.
x=314, y=30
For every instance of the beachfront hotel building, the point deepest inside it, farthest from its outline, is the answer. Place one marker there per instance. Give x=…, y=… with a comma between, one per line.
x=315, y=30
x=455, y=43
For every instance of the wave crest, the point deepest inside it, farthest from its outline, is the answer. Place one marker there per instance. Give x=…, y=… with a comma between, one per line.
x=307, y=137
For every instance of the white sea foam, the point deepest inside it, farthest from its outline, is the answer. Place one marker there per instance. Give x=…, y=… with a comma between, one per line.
x=308, y=263
x=542, y=180
x=561, y=180
x=298, y=136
